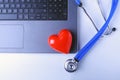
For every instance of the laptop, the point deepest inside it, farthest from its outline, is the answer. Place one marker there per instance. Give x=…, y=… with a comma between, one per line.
x=25, y=25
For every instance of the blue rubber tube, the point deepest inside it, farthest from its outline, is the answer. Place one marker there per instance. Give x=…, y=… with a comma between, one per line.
x=91, y=43
x=78, y=2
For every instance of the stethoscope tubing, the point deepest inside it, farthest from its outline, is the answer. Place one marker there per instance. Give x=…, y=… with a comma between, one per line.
x=78, y=2
x=91, y=43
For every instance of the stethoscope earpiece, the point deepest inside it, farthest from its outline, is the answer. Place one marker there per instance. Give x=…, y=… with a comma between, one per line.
x=80, y=5
x=114, y=29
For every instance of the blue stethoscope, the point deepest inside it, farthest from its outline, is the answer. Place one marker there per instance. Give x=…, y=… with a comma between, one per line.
x=71, y=65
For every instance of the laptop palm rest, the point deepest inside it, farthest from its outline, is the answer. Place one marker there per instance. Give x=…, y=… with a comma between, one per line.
x=11, y=36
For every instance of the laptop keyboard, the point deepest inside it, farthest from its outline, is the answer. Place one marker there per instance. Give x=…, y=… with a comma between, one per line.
x=33, y=9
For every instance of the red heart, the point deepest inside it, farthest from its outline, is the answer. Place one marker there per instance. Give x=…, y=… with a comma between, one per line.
x=61, y=42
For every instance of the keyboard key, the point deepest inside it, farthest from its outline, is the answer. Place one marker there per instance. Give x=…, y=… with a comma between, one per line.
x=28, y=6
x=17, y=5
x=23, y=6
x=37, y=10
x=28, y=1
x=17, y=1
x=11, y=1
x=20, y=10
x=14, y=10
x=38, y=15
x=8, y=16
x=4, y=11
x=20, y=16
x=12, y=6
x=60, y=11
x=60, y=5
x=44, y=6
x=34, y=6
x=6, y=5
x=49, y=0
x=33, y=1
x=6, y=1
x=32, y=16
x=38, y=18
x=9, y=10
x=25, y=10
x=31, y=10
x=1, y=5
x=23, y=1
x=1, y=1
x=26, y=16
x=44, y=16
x=52, y=16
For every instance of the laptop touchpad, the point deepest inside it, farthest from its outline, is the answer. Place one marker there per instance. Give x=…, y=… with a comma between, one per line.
x=11, y=36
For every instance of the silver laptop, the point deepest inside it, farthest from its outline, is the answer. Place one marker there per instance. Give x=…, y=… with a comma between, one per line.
x=25, y=25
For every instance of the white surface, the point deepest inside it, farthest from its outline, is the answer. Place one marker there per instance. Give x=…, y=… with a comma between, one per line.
x=101, y=63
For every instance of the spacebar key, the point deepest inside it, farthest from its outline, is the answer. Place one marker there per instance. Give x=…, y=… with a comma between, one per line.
x=8, y=16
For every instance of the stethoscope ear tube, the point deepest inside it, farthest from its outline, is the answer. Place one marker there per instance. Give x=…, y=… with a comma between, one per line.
x=90, y=44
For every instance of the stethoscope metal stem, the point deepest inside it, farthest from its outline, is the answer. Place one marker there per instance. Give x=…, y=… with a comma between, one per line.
x=88, y=16
x=109, y=30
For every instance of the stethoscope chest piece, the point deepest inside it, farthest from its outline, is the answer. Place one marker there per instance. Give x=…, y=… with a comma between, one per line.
x=71, y=65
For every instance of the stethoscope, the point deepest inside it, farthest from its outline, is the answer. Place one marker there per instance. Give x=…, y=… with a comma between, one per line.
x=71, y=65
